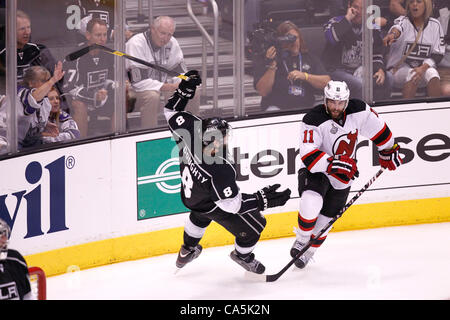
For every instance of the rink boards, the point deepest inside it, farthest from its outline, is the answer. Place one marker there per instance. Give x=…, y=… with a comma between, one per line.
x=109, y=201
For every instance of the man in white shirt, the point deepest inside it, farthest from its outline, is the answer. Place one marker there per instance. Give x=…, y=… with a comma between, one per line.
x=157, y=46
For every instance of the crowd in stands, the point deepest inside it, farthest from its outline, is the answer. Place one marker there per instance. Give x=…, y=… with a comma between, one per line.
x=61, y=101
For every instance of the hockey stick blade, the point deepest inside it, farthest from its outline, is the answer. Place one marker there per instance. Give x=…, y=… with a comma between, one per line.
x=276, y=276
x=79, y=53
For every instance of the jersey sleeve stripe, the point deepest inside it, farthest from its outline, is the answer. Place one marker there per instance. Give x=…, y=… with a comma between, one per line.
x=382, y=136
x=311, y=158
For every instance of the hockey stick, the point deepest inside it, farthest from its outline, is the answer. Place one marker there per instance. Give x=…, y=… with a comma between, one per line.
x=274, y=277
x=75, y=55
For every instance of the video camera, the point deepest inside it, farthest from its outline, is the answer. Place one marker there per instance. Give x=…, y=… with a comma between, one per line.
x=264, y=37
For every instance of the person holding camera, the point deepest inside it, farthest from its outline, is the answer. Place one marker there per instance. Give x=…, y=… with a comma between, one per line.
x=291, y=75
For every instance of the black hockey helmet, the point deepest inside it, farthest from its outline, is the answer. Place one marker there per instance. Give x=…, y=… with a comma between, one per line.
x=5, y=231
x=214, y=129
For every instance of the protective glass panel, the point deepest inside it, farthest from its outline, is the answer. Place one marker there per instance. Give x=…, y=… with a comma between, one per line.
x=172, y=41
x=74, y=99
x=418, y=62
x=296, y=47
x=3, y=118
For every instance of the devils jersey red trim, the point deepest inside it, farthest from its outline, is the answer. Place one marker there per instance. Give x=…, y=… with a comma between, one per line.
x=383, y=136
x=311, y=158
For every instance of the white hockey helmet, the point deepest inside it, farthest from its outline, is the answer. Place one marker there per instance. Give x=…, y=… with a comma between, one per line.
x=336, y=90
x=5, y=231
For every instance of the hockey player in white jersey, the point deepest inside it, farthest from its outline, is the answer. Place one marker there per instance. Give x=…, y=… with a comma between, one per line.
x=416, y=47
x=328, y=166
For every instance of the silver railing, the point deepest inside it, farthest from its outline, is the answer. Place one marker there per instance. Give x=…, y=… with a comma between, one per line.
x=239, y=57
x=11, y=77
x=214, y=43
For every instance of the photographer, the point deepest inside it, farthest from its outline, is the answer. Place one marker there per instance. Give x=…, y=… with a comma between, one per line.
x=291, y=75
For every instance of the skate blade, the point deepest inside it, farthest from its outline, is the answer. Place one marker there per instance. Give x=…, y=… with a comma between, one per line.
x=177, y=270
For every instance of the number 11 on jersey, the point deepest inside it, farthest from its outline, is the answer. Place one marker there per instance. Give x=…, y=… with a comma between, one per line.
x=308, y=136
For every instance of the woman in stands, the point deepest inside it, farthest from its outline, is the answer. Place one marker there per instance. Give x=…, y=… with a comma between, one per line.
x=416, y=46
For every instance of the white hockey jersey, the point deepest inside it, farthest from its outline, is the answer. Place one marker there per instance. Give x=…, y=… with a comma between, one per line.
x=429, y=49
x=68, y=128
x=32, y=116
x=322, y=137
x=144, y=78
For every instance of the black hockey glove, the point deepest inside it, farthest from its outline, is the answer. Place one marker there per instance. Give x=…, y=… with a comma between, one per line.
x=187, y=88
x=268, y=197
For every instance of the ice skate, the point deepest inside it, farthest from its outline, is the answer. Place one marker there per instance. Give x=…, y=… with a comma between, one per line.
x=249, y=263
x=298, y=245
x=187, y=254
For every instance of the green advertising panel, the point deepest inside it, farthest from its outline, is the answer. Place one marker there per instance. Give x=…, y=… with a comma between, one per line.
x=158, y=179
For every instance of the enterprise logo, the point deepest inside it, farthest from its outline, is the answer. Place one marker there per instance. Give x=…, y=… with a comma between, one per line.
x=161, y=177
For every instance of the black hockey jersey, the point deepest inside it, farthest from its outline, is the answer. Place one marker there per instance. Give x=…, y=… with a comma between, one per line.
x=31, y=55
x=97, y=9
x=203, y=182
x=88, y=74
x=343, y=49
x=14, y=278
x=208, y=183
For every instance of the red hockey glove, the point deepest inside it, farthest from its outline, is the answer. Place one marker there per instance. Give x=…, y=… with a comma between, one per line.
x=342, y=168
x=390, y=158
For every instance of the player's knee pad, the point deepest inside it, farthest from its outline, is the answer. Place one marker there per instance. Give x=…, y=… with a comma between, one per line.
x=310, y=204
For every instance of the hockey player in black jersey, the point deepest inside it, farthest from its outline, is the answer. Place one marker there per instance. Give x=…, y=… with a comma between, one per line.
x=14, y=279
x=209, y=186
x=329, y=135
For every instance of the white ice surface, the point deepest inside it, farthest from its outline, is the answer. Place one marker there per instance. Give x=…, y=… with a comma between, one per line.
x=407, y=262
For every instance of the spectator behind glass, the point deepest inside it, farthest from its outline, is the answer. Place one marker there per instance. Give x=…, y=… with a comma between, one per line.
x=158, y=46
x=288, y=77
x=28, y=53
x=416, y=47
x=60, y=125
x=90, y=82
x=442, y=13
x=96, y=9
x=343, y=53
x=34, y=107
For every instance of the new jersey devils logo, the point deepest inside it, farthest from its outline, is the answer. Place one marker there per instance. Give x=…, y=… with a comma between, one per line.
x=345, y=144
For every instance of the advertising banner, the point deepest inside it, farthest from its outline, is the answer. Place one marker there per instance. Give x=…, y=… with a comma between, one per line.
x=158, y=180
x=127, y=185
